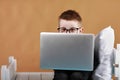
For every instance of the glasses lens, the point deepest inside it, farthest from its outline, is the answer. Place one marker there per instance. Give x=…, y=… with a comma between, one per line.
x=62, y=29
x=72, y=29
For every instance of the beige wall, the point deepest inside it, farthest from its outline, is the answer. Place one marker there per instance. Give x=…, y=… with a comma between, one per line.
x=21, y=21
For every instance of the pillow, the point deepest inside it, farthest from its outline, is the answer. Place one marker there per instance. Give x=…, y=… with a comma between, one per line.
x=104, y=42
x=104, y=45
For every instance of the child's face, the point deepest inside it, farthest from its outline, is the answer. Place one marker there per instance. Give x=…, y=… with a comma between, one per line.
x=69, y=26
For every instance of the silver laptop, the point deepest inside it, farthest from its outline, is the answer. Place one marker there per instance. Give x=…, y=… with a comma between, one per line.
x=65, y=51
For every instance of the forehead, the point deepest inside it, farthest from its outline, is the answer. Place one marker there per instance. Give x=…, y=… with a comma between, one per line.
x=69, y=23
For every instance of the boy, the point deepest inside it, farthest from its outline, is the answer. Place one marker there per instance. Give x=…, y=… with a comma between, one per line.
x=70, y=22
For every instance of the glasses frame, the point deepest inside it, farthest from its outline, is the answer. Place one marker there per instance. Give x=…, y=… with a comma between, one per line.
x=68, y=30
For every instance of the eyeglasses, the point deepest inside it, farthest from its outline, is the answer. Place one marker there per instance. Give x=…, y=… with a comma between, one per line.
x=71, y=30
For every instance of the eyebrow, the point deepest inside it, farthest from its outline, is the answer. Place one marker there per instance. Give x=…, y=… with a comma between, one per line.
x=70, y=27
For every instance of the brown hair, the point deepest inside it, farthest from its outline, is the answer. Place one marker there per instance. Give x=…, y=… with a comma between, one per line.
x=70, y=15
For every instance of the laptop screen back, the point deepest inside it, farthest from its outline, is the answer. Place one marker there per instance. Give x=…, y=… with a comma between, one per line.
x=66, y=51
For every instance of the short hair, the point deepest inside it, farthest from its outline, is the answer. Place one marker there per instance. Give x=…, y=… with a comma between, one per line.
x=70, y=15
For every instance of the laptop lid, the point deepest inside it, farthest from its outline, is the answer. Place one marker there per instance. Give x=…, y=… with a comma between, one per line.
x=66, y=51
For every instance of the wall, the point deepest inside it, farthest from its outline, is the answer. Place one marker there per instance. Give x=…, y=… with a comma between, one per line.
x=21, y=21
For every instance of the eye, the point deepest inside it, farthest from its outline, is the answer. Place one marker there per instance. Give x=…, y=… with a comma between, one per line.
x=62, y=29
x=72, y=29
